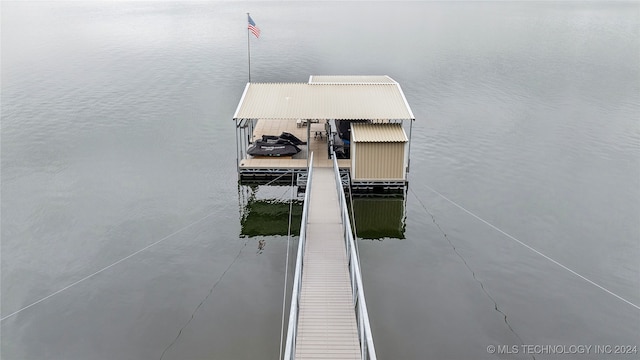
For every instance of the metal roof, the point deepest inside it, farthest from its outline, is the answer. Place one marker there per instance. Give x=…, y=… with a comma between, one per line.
x=346, y=101
x=377, y=133
x=351, y=79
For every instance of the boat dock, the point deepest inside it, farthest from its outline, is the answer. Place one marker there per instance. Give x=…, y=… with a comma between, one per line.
x=364, y=120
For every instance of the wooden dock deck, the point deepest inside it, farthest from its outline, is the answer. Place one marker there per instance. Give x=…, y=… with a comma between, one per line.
x=327, y=326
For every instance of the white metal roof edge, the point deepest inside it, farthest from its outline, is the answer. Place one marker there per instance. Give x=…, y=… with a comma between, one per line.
x=312, y=82
x=352, y=83
x=392, y=81
x=278, y=83
x=235, y=114
x=406, y=103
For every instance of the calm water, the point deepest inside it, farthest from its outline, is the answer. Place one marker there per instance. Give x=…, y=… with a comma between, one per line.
x=117, y=134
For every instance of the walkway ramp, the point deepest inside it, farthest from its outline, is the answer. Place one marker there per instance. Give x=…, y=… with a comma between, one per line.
x=328, y=316
x=327, y=325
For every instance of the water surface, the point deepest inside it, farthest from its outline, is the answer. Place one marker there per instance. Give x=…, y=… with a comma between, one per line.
x=117, y=134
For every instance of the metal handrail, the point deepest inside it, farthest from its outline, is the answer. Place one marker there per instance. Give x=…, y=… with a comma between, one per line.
x=367, y=349
x=289, y=349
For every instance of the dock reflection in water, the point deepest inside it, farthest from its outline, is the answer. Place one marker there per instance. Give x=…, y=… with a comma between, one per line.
x=264, y=211
x=379, y=218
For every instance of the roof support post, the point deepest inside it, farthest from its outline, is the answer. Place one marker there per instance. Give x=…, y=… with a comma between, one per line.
x=308, y=122
x=409, y=150
x=237, y=151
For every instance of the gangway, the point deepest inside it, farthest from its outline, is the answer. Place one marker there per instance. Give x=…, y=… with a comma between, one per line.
x=328, y=314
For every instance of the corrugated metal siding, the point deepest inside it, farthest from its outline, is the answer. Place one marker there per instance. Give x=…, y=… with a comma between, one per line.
x=379, y=161
x=328, y=101
x=378, y=133
x=351, y=79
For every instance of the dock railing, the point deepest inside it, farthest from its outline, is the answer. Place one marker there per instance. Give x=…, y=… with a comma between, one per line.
x=289, y=350
x=365, y=336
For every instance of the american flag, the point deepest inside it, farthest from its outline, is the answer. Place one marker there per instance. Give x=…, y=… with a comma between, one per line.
x=253, y=28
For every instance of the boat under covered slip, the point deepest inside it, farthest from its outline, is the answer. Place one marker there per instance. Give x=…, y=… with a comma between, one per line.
x=270, y=145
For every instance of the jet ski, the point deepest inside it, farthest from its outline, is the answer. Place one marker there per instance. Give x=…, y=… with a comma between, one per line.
x=271, y=145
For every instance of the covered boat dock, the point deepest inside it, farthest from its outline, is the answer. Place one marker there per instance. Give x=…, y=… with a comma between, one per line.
x=324, y=114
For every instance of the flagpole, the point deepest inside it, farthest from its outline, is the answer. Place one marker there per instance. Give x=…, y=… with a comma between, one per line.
x=249, y=47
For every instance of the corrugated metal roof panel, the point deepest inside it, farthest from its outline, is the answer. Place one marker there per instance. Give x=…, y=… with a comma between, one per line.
x=351, y=79
x=323, y=101
x=377, y=133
